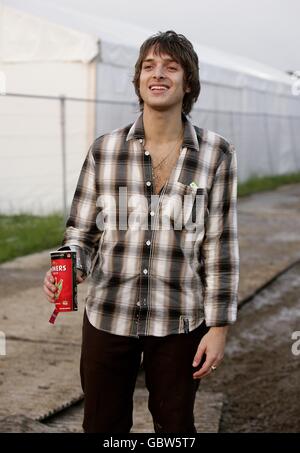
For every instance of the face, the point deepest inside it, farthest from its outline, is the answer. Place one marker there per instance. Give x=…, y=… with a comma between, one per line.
x=161, y=82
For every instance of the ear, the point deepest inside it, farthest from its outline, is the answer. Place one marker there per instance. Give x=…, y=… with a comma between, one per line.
x=188, y=90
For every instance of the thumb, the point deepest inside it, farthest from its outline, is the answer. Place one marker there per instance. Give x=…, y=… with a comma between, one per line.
x=80, y=277
x=198, y=355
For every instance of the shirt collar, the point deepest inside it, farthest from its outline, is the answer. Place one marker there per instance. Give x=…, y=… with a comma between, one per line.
x=189, y=139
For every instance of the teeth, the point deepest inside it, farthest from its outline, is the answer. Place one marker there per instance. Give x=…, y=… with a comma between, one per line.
x=158, y=88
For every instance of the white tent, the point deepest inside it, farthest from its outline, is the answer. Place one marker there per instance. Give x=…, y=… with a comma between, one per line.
x=46, y=50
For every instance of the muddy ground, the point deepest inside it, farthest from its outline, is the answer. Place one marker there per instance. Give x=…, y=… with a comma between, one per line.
x=260, y=375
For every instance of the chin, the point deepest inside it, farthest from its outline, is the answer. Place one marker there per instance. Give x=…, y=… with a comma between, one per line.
x=159, y=106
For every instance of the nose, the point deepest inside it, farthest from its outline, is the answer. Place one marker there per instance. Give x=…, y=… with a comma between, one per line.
x=158, y=72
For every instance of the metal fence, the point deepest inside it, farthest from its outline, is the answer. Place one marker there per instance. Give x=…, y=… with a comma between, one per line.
x=44, y=139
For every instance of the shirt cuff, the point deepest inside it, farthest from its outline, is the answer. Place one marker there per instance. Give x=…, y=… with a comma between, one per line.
x=80, y=259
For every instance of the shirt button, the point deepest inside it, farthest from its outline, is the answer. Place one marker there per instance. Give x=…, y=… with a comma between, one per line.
x=138, y=303
x=141, y=140
x=148, y=183
x=152, y=213
x=148, y=242
x=145, y=271
x=147, y=153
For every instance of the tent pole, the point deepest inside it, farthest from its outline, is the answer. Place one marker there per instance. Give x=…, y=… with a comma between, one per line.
x=63, y=154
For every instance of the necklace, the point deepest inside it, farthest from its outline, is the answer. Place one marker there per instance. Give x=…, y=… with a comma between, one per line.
x=156, y=176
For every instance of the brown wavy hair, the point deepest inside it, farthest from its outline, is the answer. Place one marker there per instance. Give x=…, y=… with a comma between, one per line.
x=179, y=48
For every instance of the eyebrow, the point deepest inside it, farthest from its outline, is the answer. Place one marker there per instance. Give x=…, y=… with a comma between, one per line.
x=165, y=59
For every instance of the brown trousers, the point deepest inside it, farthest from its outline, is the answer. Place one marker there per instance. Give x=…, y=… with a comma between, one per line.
x=109, y=367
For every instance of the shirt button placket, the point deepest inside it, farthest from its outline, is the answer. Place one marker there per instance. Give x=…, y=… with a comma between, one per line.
x=142, y=302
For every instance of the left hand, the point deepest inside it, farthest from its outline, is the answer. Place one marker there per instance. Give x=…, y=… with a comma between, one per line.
x=213, y=345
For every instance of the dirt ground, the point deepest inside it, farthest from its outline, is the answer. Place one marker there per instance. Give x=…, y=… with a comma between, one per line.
x=259, y=376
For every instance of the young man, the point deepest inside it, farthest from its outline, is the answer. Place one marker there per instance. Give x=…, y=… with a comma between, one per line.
x=169, y=293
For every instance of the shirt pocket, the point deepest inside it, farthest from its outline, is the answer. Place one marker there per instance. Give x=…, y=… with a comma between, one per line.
x=184, y=205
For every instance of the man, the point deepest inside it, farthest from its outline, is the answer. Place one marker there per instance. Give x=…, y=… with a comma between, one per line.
x=167, y=293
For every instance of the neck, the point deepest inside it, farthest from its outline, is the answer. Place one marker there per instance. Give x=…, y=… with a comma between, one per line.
x=161, y=127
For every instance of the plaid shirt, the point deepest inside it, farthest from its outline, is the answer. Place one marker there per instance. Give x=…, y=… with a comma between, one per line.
x=158, y=264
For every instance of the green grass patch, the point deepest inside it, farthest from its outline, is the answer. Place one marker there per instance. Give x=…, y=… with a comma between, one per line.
x=24, y=233
x=261, y=184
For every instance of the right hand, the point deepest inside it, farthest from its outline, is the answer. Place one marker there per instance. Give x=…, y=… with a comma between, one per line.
x=50, y=289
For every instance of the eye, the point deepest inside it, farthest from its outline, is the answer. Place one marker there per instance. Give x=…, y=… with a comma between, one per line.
x=147, y=66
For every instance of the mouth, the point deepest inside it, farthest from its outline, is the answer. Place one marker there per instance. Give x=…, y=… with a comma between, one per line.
x=158, y=88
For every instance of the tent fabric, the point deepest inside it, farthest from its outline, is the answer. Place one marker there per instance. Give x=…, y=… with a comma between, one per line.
x=246, y=102
x=41, y=40
x=63, y=34
x=123, y=39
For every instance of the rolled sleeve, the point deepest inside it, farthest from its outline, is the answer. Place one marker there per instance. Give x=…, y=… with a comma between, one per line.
x=220, y=250
x=81, y=228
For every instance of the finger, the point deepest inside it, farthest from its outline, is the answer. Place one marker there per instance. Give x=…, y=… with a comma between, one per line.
x=80, y=276
x=49, y=291
x=203, y=375
x=206, y=367
x=217, y=363
x=49, y=286
x=49, y=276
x=198, y=356
x=52, y=301
x=200, y=375
x=49, y=294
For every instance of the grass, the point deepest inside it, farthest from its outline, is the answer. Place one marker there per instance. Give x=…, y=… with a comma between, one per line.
x=261, y=184
x=24, y=233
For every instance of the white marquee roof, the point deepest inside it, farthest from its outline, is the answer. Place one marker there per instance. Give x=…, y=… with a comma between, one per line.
x=52, y=33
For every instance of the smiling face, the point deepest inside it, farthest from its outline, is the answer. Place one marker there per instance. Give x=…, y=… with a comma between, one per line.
x=161, y=82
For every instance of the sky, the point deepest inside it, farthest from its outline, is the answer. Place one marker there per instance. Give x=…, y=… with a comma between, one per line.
x=264, y=30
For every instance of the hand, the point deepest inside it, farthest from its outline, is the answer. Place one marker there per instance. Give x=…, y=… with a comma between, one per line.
x=49, y=287
x=80, y=277
x=213, y=345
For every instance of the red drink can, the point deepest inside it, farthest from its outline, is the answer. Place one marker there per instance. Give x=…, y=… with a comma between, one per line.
x=63, y=269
